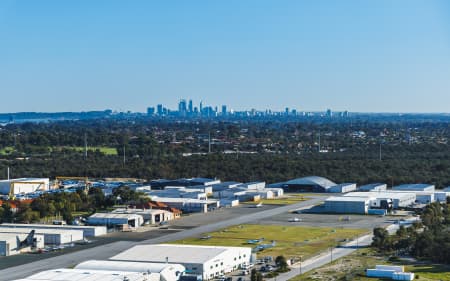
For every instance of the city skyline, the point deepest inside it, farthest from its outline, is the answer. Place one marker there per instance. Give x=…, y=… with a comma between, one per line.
x=381, y=56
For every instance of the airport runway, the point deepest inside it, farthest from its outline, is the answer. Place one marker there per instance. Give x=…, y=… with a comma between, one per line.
x=108, y=250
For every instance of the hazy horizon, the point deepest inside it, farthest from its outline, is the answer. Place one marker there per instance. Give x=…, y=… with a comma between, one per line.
x=362, y=56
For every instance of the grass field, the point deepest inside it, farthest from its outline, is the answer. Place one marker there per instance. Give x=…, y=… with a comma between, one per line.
x=103, y=149
x=352, y=268
x=286, y=200
x=291, y=241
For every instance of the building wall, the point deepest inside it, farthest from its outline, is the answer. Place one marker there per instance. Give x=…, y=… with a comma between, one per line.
x=346, y=207
x=226, y=262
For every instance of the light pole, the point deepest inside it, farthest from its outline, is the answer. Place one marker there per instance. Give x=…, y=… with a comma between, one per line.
x=331, y=254
x=300, y=265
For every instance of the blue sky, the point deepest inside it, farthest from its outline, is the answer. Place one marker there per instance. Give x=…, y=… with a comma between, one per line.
x=372, y=56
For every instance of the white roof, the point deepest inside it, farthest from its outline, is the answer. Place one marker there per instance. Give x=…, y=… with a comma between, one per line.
x=80, y=227
x=129, y=266
x=64, y=274
x=9, y=236
x=183, y=200
x=139, y=211
x=382, y=194
x=348, y=199
x=174, y=253
x=40, y=230
x=114, y=216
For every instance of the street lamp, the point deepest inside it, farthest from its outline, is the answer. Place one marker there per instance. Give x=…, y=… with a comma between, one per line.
x=331, y=254
x=300, y=265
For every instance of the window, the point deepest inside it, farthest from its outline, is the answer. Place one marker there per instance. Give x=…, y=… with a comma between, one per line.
x=221, y=263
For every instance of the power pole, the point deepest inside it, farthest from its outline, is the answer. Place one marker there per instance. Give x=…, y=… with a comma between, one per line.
x=85, y=146
x=380, y=152
x=124, y=156
x=209, y=142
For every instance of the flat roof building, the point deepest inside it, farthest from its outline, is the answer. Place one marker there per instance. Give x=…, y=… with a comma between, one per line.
x=88, y=231
x=414, y=187
x=373, y=187
x=189, y=205
x=167, y=272
x=23, y=185
x=51, y=236
x=347, y=205
x=65, y=274
x=112, y=219
x=399, y=199
x=208, y=261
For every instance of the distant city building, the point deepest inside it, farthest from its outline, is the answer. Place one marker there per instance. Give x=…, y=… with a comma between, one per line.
x=224, y=110
x=151, y=111
x=160, y=109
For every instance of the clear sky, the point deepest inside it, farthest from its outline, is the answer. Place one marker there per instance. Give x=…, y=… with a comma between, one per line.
x=376, y=56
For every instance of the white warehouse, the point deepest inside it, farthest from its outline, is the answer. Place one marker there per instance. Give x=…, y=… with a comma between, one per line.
x=208, y=261
x=399, y=199
x=167, y=272
x=10, y=243
x=23, y=185
x=51, y=236
x=109, y=219
x=347, y=205
x=64, y=274
x=88, y=231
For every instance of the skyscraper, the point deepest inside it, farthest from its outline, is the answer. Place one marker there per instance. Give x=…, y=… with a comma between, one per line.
x=160, y=109
x=182, y=108
x=224, y=110
x=191, y=107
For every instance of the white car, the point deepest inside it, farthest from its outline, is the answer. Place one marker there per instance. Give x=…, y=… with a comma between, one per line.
x=294, y=219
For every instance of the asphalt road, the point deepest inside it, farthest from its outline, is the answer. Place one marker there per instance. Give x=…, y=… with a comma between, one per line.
x=108, y=250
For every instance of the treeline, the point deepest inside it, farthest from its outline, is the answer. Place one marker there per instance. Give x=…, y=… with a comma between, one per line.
x=270, y=168
x=410, y=152
x=428, y=239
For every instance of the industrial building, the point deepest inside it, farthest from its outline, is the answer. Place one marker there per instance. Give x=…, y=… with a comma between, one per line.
x=16, y=243
x=151, y=216
x=414, y=187
x=399, y=199
x=373, y=187
x=342, y=188
x=308, y=184
x=51, y=236
x=112, y=219
x=23, y=185
x=207, y=261
x=392, y=272
x=166, y=272
x=189, y=205
x=347, y=205
x=88, y=231
x=64, y=274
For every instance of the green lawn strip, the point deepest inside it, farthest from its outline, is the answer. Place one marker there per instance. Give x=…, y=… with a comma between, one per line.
x=291, y=241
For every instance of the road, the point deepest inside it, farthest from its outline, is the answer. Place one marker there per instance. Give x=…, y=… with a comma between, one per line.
x=112, y=249
x=334, y=254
